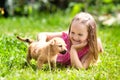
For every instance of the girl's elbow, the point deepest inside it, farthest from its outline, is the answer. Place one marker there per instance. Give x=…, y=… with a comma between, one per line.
x=85, y=67
x=42, y=36
x=100, y=46
x=77, y=66
x=81, y=67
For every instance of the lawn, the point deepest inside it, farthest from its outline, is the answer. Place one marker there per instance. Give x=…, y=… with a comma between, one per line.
x=13, y=51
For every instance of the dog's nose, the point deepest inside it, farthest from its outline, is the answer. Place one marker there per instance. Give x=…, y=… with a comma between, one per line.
x=63, y=52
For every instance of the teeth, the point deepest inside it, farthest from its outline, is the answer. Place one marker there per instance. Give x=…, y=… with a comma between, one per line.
x=76, y=41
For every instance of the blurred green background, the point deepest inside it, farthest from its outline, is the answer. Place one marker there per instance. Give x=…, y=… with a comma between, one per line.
x=107, y=12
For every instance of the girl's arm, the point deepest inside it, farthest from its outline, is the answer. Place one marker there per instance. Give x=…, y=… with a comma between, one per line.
x=46, y=36
x=86, y=60
x=75, y=62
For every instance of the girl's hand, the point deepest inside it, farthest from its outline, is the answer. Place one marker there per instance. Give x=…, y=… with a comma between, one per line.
x=79, y=46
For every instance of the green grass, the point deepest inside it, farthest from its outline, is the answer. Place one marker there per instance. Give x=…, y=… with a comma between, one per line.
x=13, y=51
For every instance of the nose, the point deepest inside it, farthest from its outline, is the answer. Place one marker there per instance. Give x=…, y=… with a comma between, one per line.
x=63, y=52
x=76, y=37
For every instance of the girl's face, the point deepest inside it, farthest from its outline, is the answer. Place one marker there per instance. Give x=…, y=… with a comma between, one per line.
x=78, y=33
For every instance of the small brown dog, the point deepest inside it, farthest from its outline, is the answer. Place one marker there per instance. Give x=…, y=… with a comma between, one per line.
x=45, y=52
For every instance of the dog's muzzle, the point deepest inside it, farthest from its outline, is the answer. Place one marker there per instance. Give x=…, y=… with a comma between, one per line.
x=63, y=52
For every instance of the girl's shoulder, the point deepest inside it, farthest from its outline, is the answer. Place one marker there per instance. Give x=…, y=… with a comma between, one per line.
x=64, y=34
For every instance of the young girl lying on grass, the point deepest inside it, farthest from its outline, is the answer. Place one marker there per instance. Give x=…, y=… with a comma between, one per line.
x=82, y=42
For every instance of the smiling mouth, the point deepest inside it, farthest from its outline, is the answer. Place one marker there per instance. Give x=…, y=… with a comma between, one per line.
x=75, y=42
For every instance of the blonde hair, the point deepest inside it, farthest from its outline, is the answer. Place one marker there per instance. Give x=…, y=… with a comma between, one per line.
x=88, y=20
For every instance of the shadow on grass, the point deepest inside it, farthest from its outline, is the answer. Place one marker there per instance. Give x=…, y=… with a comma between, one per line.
x=45, y=67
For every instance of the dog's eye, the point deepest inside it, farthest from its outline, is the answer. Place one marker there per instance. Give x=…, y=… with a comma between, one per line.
x=60, y=45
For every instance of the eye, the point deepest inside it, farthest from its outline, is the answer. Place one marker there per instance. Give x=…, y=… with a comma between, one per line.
x=80, y=34
x=60, y=45
x=72, y=32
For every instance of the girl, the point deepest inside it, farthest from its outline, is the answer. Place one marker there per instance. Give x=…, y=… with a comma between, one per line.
x=81, y=39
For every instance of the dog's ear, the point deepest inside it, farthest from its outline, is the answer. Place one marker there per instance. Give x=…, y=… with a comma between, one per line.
x=53, y=42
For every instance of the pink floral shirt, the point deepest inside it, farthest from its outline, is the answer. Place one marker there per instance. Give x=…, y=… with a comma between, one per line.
x=65, y=58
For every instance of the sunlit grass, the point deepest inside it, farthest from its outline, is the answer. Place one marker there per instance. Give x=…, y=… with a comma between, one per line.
x=13, y=51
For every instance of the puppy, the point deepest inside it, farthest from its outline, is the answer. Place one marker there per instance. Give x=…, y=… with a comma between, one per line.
x=45, y=52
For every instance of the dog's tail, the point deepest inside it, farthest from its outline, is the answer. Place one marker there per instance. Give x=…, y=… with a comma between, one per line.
x=25, y=40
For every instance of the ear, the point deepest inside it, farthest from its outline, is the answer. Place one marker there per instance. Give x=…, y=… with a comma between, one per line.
x=53, y=42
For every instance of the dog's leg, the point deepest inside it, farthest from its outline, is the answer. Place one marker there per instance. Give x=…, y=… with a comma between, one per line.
x=53, y=63
x=28, y=56
x=40, y=62
x=48, y=58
